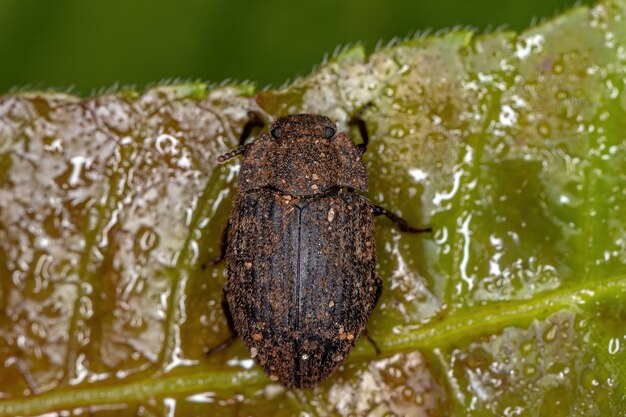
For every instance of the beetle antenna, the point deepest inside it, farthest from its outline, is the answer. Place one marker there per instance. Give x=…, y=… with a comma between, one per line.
x=230, y=155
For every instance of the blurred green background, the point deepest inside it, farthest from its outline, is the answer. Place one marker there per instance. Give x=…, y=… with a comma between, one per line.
x=94, y=44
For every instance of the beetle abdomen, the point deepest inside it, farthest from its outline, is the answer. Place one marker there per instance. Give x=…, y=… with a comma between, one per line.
x=302, y=280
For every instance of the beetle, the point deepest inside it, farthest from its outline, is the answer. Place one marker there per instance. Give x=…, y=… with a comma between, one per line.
x=299, y=246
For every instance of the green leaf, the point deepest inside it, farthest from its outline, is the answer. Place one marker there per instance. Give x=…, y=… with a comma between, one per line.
x=512, y=147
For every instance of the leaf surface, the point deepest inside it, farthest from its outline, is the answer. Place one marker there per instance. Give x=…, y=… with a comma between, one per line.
x=511, y=147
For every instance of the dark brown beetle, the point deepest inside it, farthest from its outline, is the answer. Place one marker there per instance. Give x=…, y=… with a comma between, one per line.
x=300, y=249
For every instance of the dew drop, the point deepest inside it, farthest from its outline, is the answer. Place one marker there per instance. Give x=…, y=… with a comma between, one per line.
x=397, y=132
x=167, y=144
x=528, y=45
x=589, y=379
x=407, y=393
x=561, y=95
x=508, y=116
x=529, y=370
x=404, y=69
x=526, y=347
x=146, y=240
x=614, y=346
x=550, y=334
x=544, y=129
x=436, y=136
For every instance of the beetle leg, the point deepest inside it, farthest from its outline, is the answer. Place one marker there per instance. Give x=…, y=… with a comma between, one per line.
x=379, y=289
x=402, y=224
x=359, y=123
x=369, y=339
x=254, y=120
x=233, y=334
x=226, y=343
x=223, y=246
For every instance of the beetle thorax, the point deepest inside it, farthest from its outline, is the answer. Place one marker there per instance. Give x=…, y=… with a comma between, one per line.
x=303, y=156
x=304, y=166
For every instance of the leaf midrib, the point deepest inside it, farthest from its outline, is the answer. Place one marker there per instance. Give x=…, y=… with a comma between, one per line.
x=449, y=330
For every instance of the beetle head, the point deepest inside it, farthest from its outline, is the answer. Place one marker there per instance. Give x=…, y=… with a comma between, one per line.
x=303, y=126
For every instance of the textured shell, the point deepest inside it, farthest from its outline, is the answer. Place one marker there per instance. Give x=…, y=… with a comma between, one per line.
x=302, y=162
x=302, y=280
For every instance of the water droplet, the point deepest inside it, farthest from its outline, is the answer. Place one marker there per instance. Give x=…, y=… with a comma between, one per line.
x=529, y=370
x=404, y=69
x=397, y=132
x=407, y=394
x=203, y=397
x=136, y=321
x=614, y=345
x=244, y=363
x=273, y=390
x=508, y=116
x=526, y=347
x=167, y=144
x=526, y=46
x=612, y=89
x=146, y=240
x=550, y=334
x=561, y=95
x=418, y=174
x=544, y=129
x=76, y=172
x=589, y=379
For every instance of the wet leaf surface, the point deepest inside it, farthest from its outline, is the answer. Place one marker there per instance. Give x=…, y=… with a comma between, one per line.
x=512, y=147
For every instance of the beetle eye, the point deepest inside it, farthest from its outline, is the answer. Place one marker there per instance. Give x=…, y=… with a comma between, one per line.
x=276, y=133
x=329, y=132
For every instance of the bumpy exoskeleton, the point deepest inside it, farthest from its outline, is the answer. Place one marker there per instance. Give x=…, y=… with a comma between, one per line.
x=300, y=250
